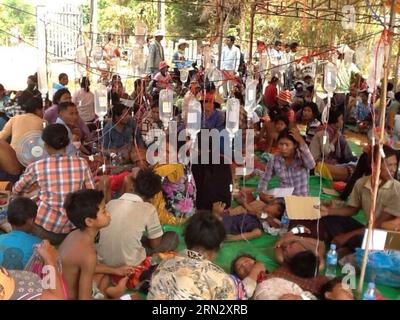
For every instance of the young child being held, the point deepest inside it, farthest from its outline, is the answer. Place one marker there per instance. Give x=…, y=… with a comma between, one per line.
x=86, y=278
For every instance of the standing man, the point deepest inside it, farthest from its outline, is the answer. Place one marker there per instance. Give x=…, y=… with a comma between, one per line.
x=230, y=59
x=156, y=54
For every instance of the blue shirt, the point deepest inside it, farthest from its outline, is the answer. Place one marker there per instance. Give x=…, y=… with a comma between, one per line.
x=115, y=139
x=361, y=111
x=16, y=248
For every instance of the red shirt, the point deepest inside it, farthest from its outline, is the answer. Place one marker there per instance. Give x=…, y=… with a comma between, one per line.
x=270, y=94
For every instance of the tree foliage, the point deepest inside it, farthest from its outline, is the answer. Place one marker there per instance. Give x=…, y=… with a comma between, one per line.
x=11, y=18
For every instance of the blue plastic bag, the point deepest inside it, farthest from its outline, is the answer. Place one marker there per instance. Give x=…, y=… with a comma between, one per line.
x=383, y=266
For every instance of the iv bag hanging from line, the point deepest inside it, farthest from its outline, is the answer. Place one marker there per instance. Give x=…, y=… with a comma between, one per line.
x=232, y=117
x=100, y=100
x=330, y=74
x=165, y=104
x=375, y=68
x=250, y=102
x=193, y=124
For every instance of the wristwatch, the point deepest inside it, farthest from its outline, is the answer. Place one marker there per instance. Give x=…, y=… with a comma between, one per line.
x=264, y=215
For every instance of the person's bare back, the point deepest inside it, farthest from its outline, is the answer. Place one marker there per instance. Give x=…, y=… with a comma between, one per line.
x=78, y=256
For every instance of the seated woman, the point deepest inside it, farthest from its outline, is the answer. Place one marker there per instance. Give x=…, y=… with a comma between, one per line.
x=271, y=131
x=191, y=275
x=292, y=165
x=309, y=117
x=339, y=162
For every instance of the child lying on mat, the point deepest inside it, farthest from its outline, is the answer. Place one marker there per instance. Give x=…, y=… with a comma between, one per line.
x=248, y=222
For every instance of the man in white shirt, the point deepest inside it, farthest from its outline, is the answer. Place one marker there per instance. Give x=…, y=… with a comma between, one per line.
x=230, y=59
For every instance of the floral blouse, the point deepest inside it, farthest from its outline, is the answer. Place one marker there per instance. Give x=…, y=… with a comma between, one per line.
x=189, y=276
x=178, y=197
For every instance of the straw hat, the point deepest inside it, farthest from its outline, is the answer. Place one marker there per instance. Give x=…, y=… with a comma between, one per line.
x=285, y=96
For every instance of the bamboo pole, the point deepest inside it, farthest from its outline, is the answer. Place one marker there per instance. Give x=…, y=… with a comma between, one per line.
x=375, y=177
x=252, y=15
x=396, y=68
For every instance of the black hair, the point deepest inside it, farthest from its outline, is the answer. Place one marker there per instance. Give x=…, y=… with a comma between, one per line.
x=278, y=43
x=118, y=110
x=307, y=77
x=334, y=114
x=64, y=105
x=314, y=108
x=204, y=230
x=209, y=86
x=147, y=183
x=1, y=87
x=282, y=207
x=33, y=104
x=328, y=287
x=33, y=78
x=56, y=136
x=59, y=93
x=282, y=118
x=62, y=75
x=293, y=45
x=285, y=134
x=240, y=97
x=304, y=264
x=397, y=95
x=365, y=92
x=232, y=38
x=85, y=83
x=20, y=210
x=274, y=79
x=390, y=86
x=82, y=204
x=233, y=264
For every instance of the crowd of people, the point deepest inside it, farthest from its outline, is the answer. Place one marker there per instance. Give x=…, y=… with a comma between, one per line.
x=95, y=208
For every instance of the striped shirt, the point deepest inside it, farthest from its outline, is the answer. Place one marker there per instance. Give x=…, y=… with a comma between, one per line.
x=295, y=175
x=56, y=176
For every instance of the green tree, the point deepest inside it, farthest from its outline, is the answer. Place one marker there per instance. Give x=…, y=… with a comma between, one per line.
x=11, y=17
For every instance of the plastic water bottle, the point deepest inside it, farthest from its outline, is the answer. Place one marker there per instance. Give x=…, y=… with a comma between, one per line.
x=369, y=294
x=284, y=223
x=331, y=262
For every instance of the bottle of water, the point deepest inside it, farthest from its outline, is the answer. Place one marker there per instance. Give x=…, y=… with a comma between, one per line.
x=369, y=294
x=331, y=262
x=284, y=223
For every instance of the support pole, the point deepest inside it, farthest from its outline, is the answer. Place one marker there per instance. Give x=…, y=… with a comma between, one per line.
x=375, y=177
x=396, y=68
x=252, y=15
x=221, y=33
